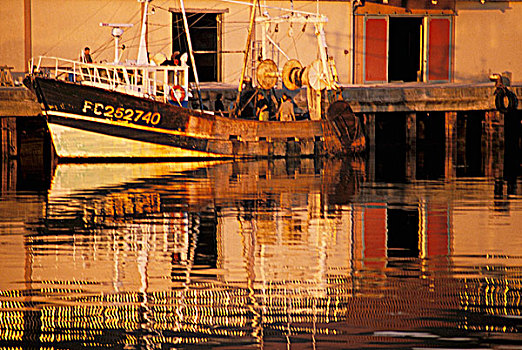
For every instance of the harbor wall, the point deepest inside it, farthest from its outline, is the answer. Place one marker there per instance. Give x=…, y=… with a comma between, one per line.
x=402, y=126
x=63, y=28
x=487, y=40
x=395, y=98
x=19, y=101
x=12, y=38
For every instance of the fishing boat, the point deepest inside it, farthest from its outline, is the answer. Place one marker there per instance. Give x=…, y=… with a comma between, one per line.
x=140, y=109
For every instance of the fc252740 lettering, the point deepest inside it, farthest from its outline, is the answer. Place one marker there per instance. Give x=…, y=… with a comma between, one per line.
x=128, y=114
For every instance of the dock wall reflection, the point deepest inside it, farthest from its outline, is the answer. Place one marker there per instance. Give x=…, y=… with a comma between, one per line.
x=189, y=253
x=443, y=145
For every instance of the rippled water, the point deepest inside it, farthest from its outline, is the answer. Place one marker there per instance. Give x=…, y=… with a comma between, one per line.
x=269, y=254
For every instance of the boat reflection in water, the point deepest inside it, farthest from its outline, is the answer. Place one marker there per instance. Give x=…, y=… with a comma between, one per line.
x=268, y=254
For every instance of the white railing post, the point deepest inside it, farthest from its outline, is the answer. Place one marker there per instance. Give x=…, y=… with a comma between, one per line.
x=152, y=82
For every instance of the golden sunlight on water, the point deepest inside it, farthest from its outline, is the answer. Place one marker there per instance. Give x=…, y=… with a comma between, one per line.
x=267, y=254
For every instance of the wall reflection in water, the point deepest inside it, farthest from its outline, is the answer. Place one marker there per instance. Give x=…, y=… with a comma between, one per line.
x=269, y=254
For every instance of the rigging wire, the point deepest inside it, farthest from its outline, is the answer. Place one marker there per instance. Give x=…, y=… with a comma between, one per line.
x=62, y=39
x=134, y=19
x=295, y=48
x=107, y=44
x=229, y=17
x=196, y=18
x=130, y=41
x=273, y=8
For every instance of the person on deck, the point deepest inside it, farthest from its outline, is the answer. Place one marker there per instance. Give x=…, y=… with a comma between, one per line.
x=175, y=58
x=86, y=55
x=261, y=107
x=246, y=103
x=218, y=104
x=286, y=110
x=173, y=61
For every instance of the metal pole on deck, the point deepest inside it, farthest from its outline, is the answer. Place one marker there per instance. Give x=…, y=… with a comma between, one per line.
x=247, y=50
x=191, y=53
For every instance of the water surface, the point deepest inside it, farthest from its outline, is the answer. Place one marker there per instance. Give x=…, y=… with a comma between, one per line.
x=268, y=254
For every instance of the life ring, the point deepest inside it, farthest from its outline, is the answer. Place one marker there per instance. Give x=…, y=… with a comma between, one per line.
x=501, y=94
x=177, y=94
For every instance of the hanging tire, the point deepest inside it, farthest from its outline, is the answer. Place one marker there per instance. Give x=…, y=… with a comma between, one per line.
x=505, y=100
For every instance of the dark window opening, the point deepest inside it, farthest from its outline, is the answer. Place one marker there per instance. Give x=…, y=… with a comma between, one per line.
x=404, y=49
x=204, y=31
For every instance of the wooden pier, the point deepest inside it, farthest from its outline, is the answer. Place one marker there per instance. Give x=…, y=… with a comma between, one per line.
x=14, y=102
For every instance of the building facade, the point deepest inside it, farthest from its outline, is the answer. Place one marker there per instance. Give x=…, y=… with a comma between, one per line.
x=435, y=41
x=372, y=42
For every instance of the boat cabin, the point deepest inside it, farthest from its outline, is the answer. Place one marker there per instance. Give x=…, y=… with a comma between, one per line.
x=167, y=84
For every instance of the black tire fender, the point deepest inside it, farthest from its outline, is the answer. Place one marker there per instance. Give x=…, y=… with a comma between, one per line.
x=500, y=100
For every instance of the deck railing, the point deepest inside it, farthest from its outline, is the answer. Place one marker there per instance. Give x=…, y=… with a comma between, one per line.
x=149, y=81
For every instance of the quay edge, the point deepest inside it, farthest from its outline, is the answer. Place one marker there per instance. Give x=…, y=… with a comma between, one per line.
x=424, y=98
x=20, y=102
x=416, y=97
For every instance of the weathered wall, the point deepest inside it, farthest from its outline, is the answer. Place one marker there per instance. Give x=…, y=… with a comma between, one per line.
x=18, y=102
x=487, y=40
x=63, y=28
x=12, y=34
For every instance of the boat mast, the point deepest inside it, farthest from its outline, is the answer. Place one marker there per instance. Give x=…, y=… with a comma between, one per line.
x=142, y=51
x=247, y=50
x=191, y=52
